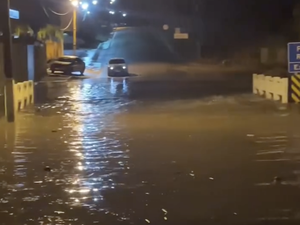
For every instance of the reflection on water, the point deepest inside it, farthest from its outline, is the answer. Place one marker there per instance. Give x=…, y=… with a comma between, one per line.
x=180, y=162
x=100, y=154
x=118, y=86
x=76, y=136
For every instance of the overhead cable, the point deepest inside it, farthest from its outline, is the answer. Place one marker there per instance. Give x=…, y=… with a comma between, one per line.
x=59, y=14
x=71, y=20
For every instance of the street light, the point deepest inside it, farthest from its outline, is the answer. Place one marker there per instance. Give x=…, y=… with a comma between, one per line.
x=112, y=12
x=95, y=2
x=124, y=14
x=75, y=3
x=85, y=6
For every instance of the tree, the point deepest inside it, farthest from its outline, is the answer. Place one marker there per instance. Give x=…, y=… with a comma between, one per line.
x=23, y=30
x=51, y=33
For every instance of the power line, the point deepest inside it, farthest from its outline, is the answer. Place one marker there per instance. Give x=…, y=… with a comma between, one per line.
x=71, y=20
x=45, y=11
x=57, y=1
x=59, y=14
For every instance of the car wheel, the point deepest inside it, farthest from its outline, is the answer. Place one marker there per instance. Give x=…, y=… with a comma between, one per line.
x=52, y=71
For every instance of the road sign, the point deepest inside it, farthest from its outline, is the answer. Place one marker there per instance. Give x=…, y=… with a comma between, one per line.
x=294, y=57
x=14, y=14
x=177, y=30
x=181, y=36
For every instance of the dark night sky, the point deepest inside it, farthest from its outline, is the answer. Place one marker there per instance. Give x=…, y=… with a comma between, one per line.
x=260, y=15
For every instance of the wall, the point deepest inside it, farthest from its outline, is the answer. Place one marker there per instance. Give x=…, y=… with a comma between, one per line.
x=1, y=82
x=40, y=65
x=20, y=62
x=29, y=63
x=54, y=49
x=273, y=55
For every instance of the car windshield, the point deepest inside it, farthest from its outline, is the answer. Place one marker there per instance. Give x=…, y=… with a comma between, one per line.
x=116, y=61
x=66, y=59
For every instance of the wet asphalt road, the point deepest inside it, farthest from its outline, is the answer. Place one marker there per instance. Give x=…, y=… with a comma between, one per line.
x=150, y=149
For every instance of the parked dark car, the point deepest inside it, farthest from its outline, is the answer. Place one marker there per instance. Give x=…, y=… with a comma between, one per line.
x=68, y=65
x=117, y=67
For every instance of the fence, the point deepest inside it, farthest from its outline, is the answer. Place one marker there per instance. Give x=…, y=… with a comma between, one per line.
x=23, y=94
x=275, y=88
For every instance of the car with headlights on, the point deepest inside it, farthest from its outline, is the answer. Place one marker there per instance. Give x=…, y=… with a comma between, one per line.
x=117, y=67
x=68, y=65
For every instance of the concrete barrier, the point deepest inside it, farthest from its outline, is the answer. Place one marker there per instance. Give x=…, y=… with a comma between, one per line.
x=274, y=88
x=295, y=88
x=23, y=94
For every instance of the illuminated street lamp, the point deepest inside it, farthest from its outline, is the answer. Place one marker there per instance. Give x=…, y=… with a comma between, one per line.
x=75, y=3
x=85, y=6
x=112, y=12
x=124, y=14
x=95, y=2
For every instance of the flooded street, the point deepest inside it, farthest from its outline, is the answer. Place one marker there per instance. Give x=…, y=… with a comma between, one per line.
x=161, y=147
x=121, y=152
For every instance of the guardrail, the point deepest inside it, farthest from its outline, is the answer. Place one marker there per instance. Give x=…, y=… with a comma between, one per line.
x=275, y=88
x=23, y=94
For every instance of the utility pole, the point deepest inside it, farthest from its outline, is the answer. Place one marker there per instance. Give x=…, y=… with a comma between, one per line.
x=74, y=30
x=196, y=26
x=8, y=67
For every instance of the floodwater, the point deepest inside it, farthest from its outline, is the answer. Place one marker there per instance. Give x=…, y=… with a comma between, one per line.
x=134, y=152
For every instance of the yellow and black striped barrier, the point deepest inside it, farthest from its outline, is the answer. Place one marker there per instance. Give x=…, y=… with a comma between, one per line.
x=295, y=88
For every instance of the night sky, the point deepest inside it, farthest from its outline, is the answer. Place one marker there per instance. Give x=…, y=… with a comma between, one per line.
x=269, y=16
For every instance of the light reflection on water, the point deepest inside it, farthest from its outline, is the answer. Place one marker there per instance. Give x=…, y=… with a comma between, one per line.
x=78, y=138
x=97, y=153
x=164, y=162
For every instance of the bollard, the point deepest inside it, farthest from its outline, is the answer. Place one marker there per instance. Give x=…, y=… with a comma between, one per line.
x=294, y=88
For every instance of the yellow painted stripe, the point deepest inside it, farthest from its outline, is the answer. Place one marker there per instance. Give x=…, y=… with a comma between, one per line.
x=296, y=90
x=295, y=81
x=298, y=76
x=295, y=98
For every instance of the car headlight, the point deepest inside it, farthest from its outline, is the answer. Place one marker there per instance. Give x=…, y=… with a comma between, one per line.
x=124, y=67
x=111, y=68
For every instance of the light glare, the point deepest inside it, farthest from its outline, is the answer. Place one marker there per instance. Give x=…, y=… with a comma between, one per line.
x=75, y=3
x=85, y=6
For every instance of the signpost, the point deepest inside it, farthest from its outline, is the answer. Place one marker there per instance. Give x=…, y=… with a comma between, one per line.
x=294, y=57
x=14, y=14
x=6, y=15
x=181, y=36
x=294, y=69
